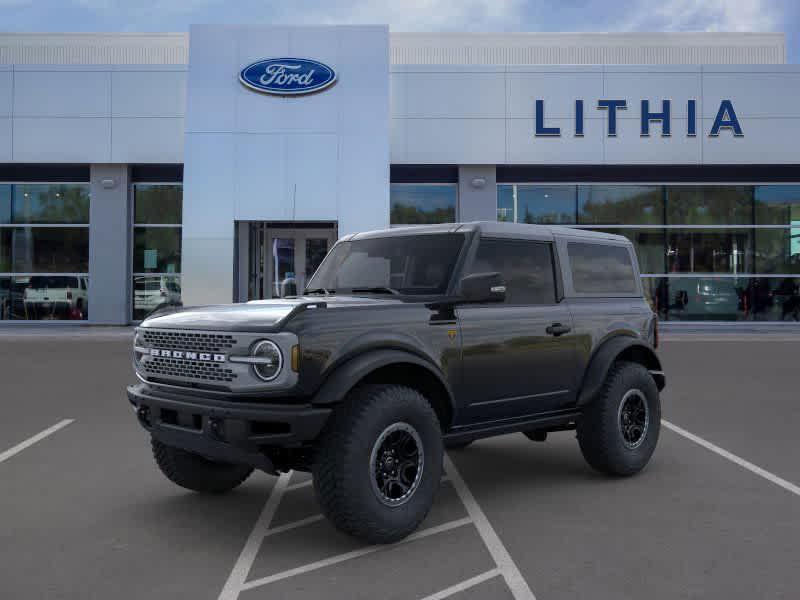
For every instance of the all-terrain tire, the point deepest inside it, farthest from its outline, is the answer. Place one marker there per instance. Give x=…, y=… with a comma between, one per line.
x=196, y=473
x=601, y=432
x=345, y=474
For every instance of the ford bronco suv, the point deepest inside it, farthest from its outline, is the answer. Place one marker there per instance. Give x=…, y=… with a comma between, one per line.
x=406, y=342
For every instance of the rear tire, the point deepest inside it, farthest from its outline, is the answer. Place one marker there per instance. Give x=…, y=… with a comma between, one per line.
x=378, y=463
x=197, y=473
x=618, y=430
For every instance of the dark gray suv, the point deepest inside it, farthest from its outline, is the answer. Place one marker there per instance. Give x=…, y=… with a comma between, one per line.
x=405, y=342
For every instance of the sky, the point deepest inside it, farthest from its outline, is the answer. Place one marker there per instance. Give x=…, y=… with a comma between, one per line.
x=413, y=15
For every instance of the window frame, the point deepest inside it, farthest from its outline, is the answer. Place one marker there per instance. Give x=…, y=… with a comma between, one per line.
x=469, y=261
x=84, y=277
x=132, y=226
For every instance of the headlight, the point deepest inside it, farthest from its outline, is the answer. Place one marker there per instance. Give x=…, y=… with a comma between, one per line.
x=270, y=360
x=137, y=343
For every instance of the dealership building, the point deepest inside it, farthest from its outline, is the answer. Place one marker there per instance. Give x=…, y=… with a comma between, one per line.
x=146, y=170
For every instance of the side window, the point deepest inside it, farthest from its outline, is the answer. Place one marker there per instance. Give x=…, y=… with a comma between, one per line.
x=527, y=268
x=601, y=269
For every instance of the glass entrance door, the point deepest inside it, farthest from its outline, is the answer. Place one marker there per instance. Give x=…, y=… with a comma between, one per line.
x=283, y=259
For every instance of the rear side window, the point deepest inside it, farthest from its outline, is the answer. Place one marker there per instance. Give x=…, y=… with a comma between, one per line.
x=601, y=269
x=526, y=267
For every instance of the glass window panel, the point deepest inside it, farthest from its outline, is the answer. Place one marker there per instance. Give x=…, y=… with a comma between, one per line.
x=620, y=204
x=710, y=250
x=656, y=293
x=709, y=205
x=778, y=250
x=44, y=249
x=44, y=298
x=5, y=203
x=284, y=278
x=707, y=299
x=158, y=204
x=777, y=205
x=782, y=302
x=154, y=292
x=505, y=203
x=316, y=249
x=46, y=203
x=417, y=204
x=526, y=267
x=157, y=250
x=601, y=268
x=546, y=204
x=649, y=246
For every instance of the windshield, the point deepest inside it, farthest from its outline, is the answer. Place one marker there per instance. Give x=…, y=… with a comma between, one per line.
x=404, y=264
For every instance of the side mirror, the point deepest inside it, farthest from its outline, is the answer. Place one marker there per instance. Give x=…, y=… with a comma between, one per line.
x=483, y=287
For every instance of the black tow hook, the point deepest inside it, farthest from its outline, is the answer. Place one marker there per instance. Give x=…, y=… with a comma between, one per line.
x=217, y=429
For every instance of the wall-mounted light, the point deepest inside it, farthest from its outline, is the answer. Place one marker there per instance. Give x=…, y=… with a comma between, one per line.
x=478, y=182
x=109, y=183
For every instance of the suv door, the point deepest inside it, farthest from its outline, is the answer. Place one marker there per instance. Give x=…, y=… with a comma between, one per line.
x=518, y=356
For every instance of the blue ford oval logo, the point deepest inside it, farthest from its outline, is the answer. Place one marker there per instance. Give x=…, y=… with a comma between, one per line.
x=287, y=76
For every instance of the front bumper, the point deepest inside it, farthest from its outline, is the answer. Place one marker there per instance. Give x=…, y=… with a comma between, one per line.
x=234, y=432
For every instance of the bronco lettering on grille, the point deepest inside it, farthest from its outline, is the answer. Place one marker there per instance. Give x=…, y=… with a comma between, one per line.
x=188, y=355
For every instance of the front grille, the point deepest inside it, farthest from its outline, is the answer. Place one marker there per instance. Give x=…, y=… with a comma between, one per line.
x=165, y=339
x=191, y=369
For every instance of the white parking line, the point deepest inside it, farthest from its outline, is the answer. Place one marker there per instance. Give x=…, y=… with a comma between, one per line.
x=516, y=583
x=464, y=585
x=788, y=486
x=233, y=586
x=33, y=439
x=354, y=554
x=293, y=525
x=298, y=486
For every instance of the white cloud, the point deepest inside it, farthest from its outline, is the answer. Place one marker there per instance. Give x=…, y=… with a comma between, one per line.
x=415, y=15
x=705, y=15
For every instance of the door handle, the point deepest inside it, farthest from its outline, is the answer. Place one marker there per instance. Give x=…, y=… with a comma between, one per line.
x=557, y=329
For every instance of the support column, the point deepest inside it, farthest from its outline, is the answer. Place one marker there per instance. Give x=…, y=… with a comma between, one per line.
x=477, y=193
x=109, y=243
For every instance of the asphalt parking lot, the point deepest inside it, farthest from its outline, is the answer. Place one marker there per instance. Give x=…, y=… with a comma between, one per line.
x=84, y=513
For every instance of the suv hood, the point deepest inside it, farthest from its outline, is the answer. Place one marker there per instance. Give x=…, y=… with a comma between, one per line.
x=257, y=315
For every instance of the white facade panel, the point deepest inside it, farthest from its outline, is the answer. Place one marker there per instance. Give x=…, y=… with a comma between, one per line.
x=210, y=93
x=78, y=140
x=311, y=167
x=6, y=91
x=765, y=141
x=524, y=148
x=265, y=197
x=454, y=141
x=753, y=94
x=148, y=93
x=558, y=90
x=147, y=140
x=209, y=179
x=655, y=87
x=62, y=93
x=630, y=148
x=454, y=95
x=5, y=139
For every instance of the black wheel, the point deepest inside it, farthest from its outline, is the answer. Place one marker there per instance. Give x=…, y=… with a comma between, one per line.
x=194, y=472
x=378, y=463
x=618, y=430
x=458, y=445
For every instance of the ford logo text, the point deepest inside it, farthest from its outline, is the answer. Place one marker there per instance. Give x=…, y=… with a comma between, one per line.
x=287, y=76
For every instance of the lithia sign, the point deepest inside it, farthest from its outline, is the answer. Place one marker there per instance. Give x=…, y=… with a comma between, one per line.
x=726, y=119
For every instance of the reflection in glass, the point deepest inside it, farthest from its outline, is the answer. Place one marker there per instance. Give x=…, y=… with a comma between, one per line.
x=778, y=250
x=704, y=299
x=600, y=268
x=44, y=297
x=44, y=249
x=316, y=249
x=777, y=205
x=621, y=204
x=284, y=278
x=154, y=292
x=709, y=205
x=649, y=246
x=505, y=203
x=784, y=295
x=158, y=204
x=710, y=251
x=417, y=204
x=25, y=203
x=545, y=204
x=157, y=249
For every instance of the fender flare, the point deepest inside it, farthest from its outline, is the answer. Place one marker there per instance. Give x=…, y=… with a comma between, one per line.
x=345, y=376
x=605, y=356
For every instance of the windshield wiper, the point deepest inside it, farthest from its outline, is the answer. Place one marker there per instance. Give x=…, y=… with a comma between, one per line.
x=321, y=290
x=375, y=290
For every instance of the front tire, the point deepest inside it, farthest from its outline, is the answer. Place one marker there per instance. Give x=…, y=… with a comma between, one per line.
x=196, y=473
x=618, y=430
x=378, y=463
